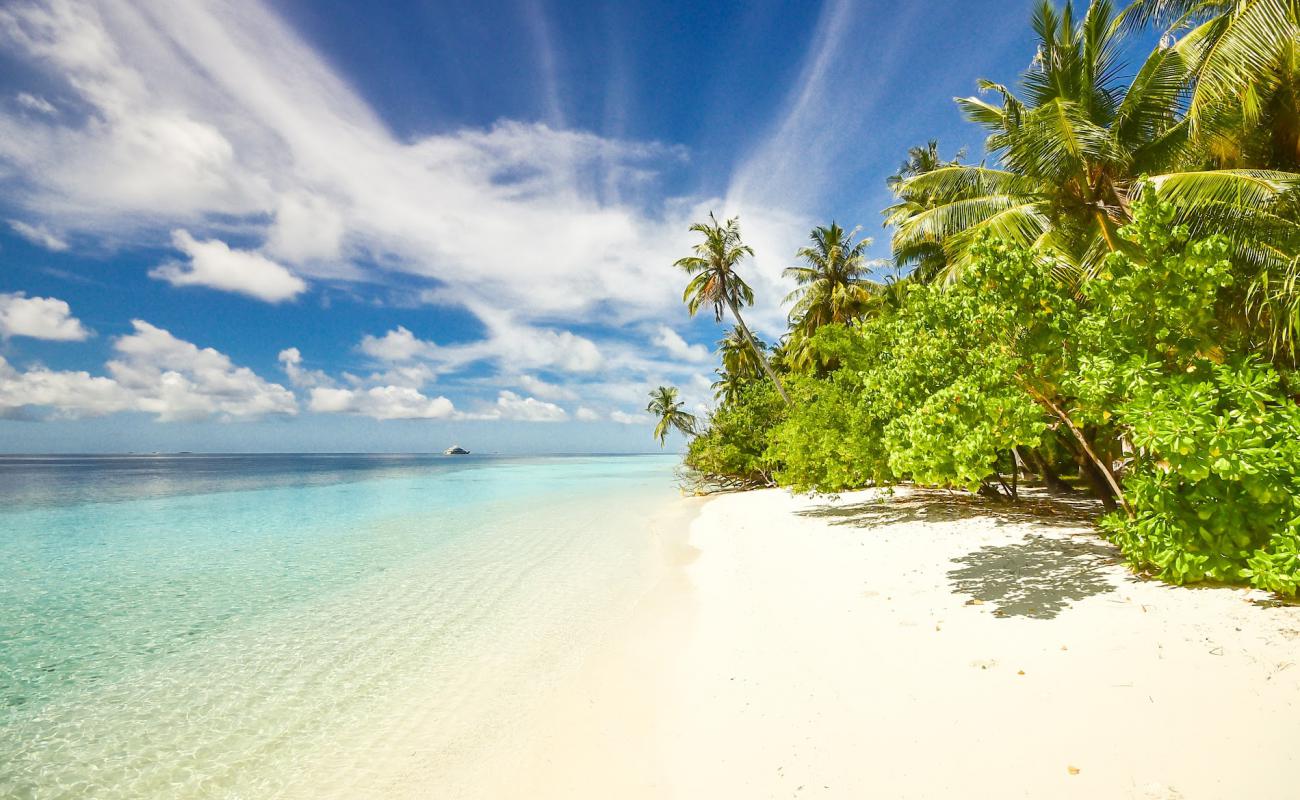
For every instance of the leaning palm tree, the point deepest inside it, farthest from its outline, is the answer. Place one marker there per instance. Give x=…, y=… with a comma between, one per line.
x=665, y=405
x=1073, y=154
x=714, y=281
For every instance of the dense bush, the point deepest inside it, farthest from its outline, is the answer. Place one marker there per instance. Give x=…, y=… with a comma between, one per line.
x=733, y=449
x=1136, y=372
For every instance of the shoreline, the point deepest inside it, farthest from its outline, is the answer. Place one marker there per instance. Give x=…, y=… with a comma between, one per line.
x=917, y=647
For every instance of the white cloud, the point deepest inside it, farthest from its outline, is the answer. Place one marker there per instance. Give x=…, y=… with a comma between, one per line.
x=214, y=264
x=291, y=361
x=220, y=120
x=508, y=344
x=398, y=344
x=412, y=375
x=584, y=414
x=624, y=418
x=177, y=380
x=72, y=394
x=306, y=228
x=38, y=235
x=39, y=318
x=380, y=402
x=156, y=373
x=676, y=346
x=526, y=409
x=209, y=115
x=35, y=103
x=546, y=391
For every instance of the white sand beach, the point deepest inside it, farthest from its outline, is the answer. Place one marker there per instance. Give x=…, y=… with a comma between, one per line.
x=918, y=647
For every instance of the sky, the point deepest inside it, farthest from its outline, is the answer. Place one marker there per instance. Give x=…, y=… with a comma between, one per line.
x=322, y=225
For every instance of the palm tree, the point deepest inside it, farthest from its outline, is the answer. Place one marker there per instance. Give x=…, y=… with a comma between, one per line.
x=714, y=280
x=924, y=258
x=1232, y=46
x=921, y=160
x=1073, y=155
x=739, y=365
x=665, y=405
x=834, y=286
x=1245, y=99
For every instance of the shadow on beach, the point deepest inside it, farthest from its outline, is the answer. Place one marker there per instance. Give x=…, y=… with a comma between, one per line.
x=1037, y=577
x=1035, y=507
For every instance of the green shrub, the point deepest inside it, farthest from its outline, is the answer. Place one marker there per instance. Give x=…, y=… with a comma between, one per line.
x=732, y=450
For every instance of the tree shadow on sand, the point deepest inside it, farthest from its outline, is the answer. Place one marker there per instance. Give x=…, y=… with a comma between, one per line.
x=1037, y=577
x=929, y=505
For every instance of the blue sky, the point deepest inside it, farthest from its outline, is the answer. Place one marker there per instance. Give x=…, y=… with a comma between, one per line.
x=329, y=225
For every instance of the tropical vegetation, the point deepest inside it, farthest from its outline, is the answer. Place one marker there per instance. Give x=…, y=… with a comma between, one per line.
x=667, y=409
x=1109, y=302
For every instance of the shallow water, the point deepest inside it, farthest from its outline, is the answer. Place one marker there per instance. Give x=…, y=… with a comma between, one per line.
x=240, y=626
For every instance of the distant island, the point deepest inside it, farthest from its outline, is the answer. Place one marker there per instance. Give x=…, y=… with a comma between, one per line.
x=455, y=450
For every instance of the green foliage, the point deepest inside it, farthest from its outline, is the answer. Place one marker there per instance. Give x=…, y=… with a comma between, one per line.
x=667, y=410
x=1214, y=481
x=1216, y=488
x=829, y=442
x=1064, y=307
x=1137, y=364
x=733, y=449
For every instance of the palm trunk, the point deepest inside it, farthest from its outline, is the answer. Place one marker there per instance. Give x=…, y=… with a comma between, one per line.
x=753, y=345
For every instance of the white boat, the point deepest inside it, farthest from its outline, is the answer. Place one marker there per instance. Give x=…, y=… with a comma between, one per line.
x=455, y=450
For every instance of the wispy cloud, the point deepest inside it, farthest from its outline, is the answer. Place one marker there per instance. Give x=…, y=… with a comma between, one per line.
x=220, y=123
x=38, y=235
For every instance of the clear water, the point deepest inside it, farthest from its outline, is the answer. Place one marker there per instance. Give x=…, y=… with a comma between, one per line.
x=240, y=626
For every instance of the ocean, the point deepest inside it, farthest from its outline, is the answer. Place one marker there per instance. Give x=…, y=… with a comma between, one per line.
x=275, y=625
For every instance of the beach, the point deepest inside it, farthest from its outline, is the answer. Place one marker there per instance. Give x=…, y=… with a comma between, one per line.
x=363, y=627
x=924, y=645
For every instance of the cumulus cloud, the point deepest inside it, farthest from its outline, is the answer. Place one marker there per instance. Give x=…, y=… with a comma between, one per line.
x=676, y=346
x=152, y=372
x=525, y=409
x=624, y=418
x=508, y=343
x=398, y=344
x=380, y=402
x=39, y=318
x=38, y=235
x=291, y=361
x=214, y=264
x=584, y=414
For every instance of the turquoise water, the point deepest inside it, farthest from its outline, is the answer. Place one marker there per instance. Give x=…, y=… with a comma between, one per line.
x=239, y=626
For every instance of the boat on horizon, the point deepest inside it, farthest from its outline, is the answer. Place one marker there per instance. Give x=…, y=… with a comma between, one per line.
x=455, y=450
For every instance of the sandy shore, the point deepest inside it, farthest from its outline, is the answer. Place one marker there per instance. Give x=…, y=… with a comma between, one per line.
x=917, y=648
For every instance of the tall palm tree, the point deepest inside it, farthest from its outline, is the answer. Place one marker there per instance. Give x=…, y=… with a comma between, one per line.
x=665, y=405
x=714, y=281
x=1073, y=154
